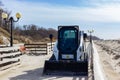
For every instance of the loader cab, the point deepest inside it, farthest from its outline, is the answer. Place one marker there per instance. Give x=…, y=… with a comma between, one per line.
x=68, y=42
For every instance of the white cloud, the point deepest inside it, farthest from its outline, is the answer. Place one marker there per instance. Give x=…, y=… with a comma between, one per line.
x=50, y=15
x=45, y=12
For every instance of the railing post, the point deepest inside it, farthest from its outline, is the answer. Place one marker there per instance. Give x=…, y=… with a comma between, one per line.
x=46, y=48
x=92, y=66
x=0, y=57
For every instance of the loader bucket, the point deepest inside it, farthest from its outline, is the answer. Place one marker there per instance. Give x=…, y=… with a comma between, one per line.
x=66, y=68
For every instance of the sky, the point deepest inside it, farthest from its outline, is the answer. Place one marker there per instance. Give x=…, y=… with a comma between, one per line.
x=102, y=16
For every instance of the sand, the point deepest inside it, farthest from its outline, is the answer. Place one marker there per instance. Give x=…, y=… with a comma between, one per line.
x=109, y=56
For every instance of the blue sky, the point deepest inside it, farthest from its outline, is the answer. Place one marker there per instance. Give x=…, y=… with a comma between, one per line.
x=101, y=15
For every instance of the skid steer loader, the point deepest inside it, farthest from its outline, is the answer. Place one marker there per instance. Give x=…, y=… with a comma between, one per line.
x=67, y=58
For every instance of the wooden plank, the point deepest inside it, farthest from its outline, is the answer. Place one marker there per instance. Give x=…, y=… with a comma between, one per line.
x=36, y=50
x=9, y=66
x=36, y=44
x=36, y=47
x=29, y=45
x=6, y=52
x=9, y=60
x=9, y=49
x=10, y=54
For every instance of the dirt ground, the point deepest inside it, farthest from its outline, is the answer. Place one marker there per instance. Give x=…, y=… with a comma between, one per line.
x=31, y=69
